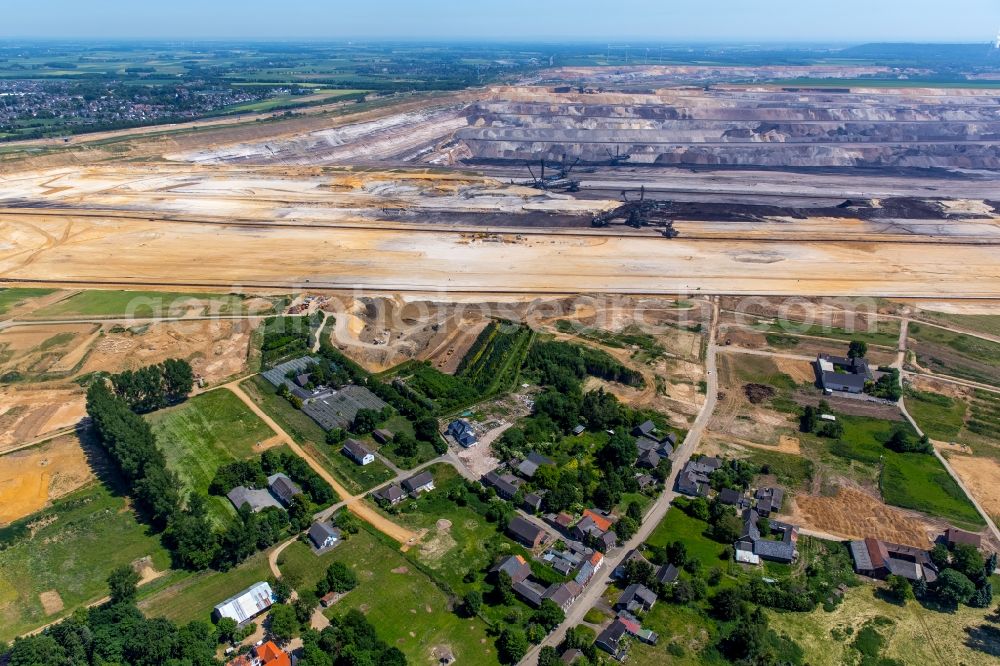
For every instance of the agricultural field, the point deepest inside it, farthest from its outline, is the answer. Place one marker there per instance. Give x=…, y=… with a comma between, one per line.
x=29, y=410
x=216, y=350
x=312, y=438
x=204, y=433
x=406, y=607
x=146, y=304
x=956, y=354
x=18, y=295
x=977, y=323
x=66, y=552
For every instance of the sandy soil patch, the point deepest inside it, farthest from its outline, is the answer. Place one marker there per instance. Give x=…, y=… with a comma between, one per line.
x=32, y=350
x=800, y=371
x=854, y=514
x=28, y=412
x=216, y=349
x=401, y=570
x=382, y=332
x=31, y=478
x=982, y=477
x=52, y=603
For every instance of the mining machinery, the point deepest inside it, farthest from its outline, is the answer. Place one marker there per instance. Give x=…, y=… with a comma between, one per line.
x=558, y=182
x=638, y=213
x=617, y=158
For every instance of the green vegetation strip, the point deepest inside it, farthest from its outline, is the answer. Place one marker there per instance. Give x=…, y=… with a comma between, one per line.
x=71, y=550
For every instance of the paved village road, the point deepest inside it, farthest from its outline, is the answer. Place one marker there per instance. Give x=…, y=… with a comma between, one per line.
x=592, y=594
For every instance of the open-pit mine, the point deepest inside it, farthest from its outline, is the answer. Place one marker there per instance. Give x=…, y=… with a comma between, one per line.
x=755, y=188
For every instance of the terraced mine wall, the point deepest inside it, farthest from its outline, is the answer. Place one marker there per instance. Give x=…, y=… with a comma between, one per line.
x=741, y=127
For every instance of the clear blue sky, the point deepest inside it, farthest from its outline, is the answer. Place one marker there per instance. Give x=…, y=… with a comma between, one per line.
x=604, y=20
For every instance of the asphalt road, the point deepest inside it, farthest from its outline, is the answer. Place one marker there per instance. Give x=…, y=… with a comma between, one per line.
x=599, y=583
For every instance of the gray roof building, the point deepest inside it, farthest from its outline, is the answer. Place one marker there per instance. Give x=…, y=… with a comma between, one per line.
x=514, y=566
x=530, y=591
x=392, y=494
x=358, y=452
x=610, y=640
x=324, y=535
x=525, y=532
x=282, y=487
x=635, y=598
x=419, y=483
x=667, y=574
x=258, y=500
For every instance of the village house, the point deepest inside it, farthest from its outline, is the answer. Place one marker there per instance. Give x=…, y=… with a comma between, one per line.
x=525, y=532
x=636, y=598
x=693, y=478
x=324, y=535
x=953, y=537
x=392, y=494
x=779, y=546
x=610, y=640
x=283, y=488
x=462, y=432
x=358, y=452
x=266, y=654
x=839, y=373
x=530, y=465
x=879, y=559
x=419, y=483
x=769, y=500
x=506, y=485
x=514, y=566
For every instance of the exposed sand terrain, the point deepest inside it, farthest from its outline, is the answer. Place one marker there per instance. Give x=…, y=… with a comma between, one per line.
x=981, y=476
x=31, y=478
x=28, y=411
x=55, y=249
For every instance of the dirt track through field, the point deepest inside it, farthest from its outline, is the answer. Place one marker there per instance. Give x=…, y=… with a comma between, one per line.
x=353, y=503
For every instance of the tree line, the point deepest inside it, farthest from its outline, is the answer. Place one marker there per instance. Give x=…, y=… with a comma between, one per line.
x=154, y=386
x=187, y=528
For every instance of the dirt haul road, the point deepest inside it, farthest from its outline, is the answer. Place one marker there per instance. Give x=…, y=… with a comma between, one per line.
x=68, y=250
x=354, y=504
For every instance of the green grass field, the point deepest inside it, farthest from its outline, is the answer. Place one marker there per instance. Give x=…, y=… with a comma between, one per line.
x=452, y=550
x=312, y=438
x=918, y=481
x=683, y=625
x=11, y=297
x=883, y=332
x=193, y=597
x=81, y=539
x=406, y=608
x=909, y=480
x=678, y=526
x=956, y=354
x=917, y=635
x=989, y=324
x=939, y=416
x=97, y=303
x=204, y=433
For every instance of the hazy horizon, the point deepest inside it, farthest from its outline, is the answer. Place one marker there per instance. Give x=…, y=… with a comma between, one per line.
x=737, y=22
